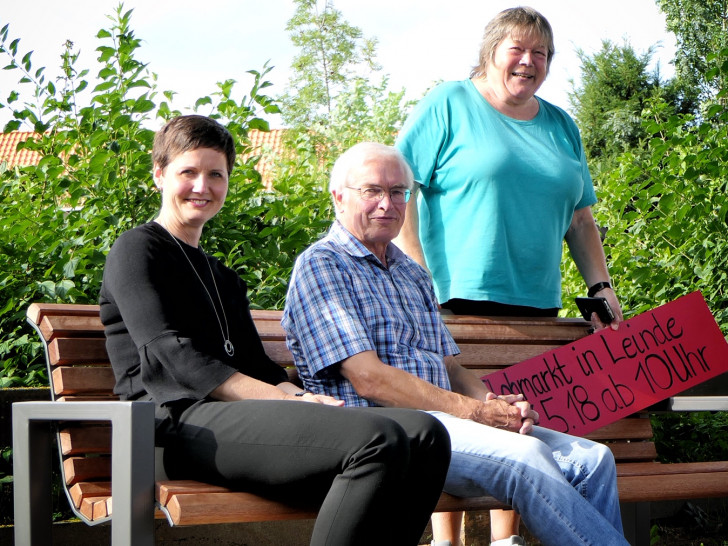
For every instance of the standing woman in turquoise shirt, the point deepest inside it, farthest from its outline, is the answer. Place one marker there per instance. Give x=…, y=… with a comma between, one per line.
x=503, y=181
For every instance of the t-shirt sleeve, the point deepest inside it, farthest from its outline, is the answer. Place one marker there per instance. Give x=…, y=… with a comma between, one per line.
x=589, y=196
x=423, y=135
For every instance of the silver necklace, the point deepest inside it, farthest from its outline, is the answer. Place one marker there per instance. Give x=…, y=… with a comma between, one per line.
x=227, y=344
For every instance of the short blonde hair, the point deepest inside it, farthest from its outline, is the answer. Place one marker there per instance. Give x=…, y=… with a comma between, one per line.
x=516, y=22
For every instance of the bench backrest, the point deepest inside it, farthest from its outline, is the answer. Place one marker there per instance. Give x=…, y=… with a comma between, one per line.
x=79, y=369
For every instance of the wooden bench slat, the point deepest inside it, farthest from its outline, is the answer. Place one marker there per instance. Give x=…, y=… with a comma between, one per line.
x=499, y=355
x=630, y=429
x=84, y=469
x=633, y=451
x=659, y=487
x=82, y=380
x=166, y=489
x=100, y=490
x=102, y=504
x=485, y=331
x=68, y=326
x=206, y=508
x=233, y=507
x=93, y=508
x=503, y=334
x=270, y=329
x=663, y=469
x=97, y=397
x=87, y=439
x=561, y=322
x=481, y=358
x=77, y=350
x=266, y=314
x=278, y=352
x=85, y=490
x=36, y=311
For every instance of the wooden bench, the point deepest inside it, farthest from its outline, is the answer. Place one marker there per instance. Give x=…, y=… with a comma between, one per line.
x=83, y=405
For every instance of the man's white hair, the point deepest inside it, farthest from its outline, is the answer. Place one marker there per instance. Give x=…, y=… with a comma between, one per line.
x=358, y=155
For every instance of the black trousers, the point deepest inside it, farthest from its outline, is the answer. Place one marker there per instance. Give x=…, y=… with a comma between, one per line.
x=494, y=309
x=377, y=473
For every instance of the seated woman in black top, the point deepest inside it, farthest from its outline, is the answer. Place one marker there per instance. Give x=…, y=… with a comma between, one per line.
x=179, y=333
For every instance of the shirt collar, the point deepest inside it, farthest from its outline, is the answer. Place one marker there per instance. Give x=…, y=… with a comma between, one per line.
x=355, y=248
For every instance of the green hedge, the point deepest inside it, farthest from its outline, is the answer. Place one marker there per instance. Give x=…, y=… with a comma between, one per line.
x=61, y=216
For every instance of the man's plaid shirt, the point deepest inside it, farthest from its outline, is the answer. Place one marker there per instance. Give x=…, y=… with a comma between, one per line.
x=342, y=301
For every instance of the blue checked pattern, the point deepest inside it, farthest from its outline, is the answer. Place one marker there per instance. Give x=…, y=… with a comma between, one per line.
x=342, y=301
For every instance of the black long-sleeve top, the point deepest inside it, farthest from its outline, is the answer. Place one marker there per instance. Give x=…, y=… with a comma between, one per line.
x=162, y=334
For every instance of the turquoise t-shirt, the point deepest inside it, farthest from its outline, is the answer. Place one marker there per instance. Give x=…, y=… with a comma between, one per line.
x=497, y=197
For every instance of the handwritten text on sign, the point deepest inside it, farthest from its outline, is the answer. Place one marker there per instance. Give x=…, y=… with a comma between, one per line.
x=608, y=375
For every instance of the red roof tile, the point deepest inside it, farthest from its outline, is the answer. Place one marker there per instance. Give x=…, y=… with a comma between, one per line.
x=266, y=143
x=10, y=153
x=262, y=142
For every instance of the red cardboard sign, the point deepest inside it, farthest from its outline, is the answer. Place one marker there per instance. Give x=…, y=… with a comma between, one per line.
x=610, y=374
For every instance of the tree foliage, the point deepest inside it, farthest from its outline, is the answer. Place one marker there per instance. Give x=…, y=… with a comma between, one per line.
x=607, y=107
x=336, y=95
x=684, y=438
x=665, y=210
x=93, y=182
x=335, y=98
x=615, y=87
x=701, y=29
x=331, y=52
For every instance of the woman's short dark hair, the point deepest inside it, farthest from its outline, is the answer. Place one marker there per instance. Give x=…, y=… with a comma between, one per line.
x=517, y=22
x=185, y=133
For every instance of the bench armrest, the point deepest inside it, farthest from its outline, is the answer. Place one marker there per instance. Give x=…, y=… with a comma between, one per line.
x=132, y=467
x=698, y=403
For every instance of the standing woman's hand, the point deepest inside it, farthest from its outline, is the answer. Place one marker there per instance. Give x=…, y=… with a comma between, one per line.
x=611, y=297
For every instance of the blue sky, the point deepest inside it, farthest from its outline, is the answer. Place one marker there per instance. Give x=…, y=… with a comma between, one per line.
x=191, y=45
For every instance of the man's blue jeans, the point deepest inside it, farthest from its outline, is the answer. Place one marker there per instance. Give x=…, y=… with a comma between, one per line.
x=564, y=487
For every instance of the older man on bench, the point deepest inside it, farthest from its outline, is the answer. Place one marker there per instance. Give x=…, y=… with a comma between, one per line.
x=363, y=325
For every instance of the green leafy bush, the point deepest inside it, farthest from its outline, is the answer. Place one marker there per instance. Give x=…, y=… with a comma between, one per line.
x=691, y=437
x=665, y=212
x=93, y=182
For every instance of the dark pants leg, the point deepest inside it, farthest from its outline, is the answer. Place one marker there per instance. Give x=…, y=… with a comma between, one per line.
x=494, y=309
x=377, y=472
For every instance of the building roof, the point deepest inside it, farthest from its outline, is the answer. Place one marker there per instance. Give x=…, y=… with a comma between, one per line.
x=269, y=144
x=9, y=149
x=262, y=142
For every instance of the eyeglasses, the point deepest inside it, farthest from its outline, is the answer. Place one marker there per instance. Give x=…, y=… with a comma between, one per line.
x=398, y=196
